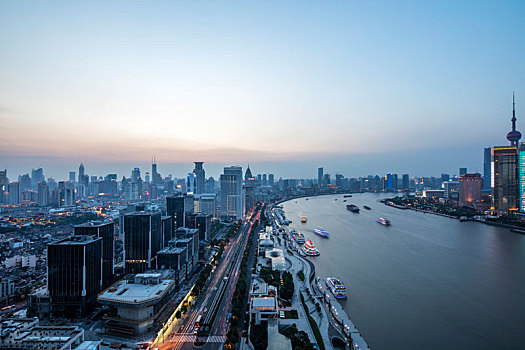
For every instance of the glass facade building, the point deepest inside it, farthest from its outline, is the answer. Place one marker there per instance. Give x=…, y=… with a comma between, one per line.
x=504, y=181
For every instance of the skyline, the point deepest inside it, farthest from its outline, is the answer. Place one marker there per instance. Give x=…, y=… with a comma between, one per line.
x=284, y=86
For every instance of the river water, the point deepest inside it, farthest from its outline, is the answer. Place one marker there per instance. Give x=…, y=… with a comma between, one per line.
x=426, y=282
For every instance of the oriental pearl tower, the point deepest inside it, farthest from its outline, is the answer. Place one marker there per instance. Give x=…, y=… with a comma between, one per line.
x=514, y=136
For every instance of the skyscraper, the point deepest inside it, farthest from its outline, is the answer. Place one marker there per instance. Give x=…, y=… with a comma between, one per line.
x=142, y=241
x=4, y=181
x=37, y=175
x=106, y=231
x=200, y=175
x=72, y=176
x=74, y=275
x=232, y=196
x=406, y=182
x=504, y=182
x=470, y=186
x=178, y=207
x=521, y=178
x=270, y=179
x=191, y=183
x=320, y=174
x=43, y=194
x=81, y=171
x=487, y=161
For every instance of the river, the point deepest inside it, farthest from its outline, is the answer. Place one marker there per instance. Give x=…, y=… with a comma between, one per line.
x=426, y=282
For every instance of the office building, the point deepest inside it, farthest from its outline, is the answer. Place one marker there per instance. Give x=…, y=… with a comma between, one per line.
x=232, y=194
x=178, y=207
x=339, y=181
x=191, y=183
x=521, y=178
x=173, y=258
x=470, y=186
x=189, y=239
x=451, y=190
x=106, y=231
x=72, y=176
x=270, y=180
x=142, y=241
x=504, y=182
x=200, y=175
x=74, y=278
x=406, y=182
x=4, y=181
x=320, y=175
x=14, y=193
x=43, y=194
x=208, y=204
x=166, y=229
x=66, y=193
x=487, y=161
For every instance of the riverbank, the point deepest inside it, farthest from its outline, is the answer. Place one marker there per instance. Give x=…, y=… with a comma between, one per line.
x=339, y=324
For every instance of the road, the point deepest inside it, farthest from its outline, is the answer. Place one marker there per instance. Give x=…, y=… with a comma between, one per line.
x=185, y=337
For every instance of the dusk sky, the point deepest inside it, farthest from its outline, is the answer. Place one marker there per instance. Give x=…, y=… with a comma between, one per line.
x=359, y=87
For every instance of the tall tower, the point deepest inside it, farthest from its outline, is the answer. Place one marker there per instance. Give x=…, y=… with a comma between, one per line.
x=200, y=177
x=81, y=171
x=514, y=136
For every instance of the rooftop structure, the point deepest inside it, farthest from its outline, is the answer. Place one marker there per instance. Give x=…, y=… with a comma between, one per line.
x=25, y=333
x=134, y=305
x=514, y=136
x=277, y=259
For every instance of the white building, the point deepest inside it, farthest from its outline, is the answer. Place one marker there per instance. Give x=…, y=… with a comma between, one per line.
x=276, y=256
x=263, y=301
x=21, y=261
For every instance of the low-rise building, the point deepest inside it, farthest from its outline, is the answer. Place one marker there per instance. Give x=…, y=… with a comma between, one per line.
x=276, y=257
x=263, y=301
x=134, y=304
x=25, y=333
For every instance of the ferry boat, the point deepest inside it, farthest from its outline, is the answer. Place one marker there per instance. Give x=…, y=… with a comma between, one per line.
x=309, y=249
x=304, y=219
x=366, y=207
x=383, y=221
x=321, y=232
x=299, y=237
x=337, y=287
x=353, y=208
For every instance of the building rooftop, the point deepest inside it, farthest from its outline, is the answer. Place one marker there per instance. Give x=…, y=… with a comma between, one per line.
x=172, y=250
x=94, y=223
x=124, y=292
x=77, y=239
x=264, y=303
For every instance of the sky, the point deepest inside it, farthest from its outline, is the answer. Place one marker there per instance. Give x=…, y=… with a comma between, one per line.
x=359, y=87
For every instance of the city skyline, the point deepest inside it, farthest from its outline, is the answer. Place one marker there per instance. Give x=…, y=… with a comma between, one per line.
x=293, y=86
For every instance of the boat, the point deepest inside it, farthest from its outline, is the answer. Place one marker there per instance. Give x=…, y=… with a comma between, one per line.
x=463, y=218
x=383, y=221
x=298, y=236
x=344, y=200
x=353, y=208
x=321, y=232
x=347, y=196
x=366, y=207
x=304, y=219
x=337, y=287
x=309, y=248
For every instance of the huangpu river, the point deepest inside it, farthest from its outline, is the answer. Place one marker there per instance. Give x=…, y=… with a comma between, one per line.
x=425, y=282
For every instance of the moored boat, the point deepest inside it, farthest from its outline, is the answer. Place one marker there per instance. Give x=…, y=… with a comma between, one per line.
x=309, y=248
x=299, y=237
x=337, y=287
x=321, y=232
x=383, y=221
x=347, y=196
x=366, y=207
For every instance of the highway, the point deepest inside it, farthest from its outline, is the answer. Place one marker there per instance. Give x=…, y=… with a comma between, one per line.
x=229, y=267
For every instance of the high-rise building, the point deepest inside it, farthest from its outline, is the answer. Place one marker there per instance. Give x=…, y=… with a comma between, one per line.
x=470, y=186
x=72, y=176
x=232, y=194
x=270, y=180
x=487, y=161
x=406, y=182
x=74, y=275
x=142, y=241
x=106, y=231
x=14, y=193
x=66, y=193
x=462, y=171
x=81, y=171
x=264, y=180
x=166, y=230
x=43, y=194
x=320, y=175
x=200, y=175
x=208, y=204
x=339, y=180
x=521, y=178
x=4, y=181
x=191, y=183
x=178, y=207
x=504, y=182
x=37, y=175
